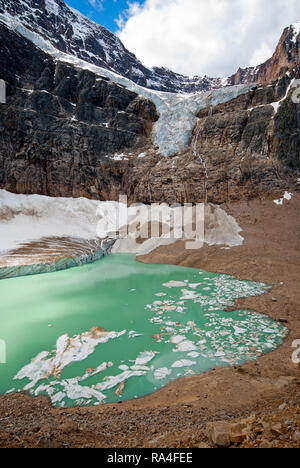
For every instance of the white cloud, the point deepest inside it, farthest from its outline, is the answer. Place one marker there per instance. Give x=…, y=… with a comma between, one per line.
x=97, y=4
x=198, y=37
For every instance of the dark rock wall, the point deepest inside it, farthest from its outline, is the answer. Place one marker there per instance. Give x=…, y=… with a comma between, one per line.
x=60, y=124
x=287, y=135
x=285, y=57
x=248, y=150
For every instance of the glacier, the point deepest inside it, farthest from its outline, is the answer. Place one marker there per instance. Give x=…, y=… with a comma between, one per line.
x=177, y=112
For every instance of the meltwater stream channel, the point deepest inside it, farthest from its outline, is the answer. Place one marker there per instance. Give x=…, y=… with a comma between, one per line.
x=118, y=329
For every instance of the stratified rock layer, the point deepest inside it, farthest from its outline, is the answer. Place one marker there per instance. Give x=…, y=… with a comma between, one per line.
x=60, y=123
x=68, y=132
x=245, y=148
x=285, y=57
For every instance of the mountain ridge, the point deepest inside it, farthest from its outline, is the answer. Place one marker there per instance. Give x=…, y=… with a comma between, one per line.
x=71, y=32
x=68, y=131
x=70, y=128
x=285, y=57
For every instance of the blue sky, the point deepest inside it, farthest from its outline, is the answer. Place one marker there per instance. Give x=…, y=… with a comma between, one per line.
x=103, y=12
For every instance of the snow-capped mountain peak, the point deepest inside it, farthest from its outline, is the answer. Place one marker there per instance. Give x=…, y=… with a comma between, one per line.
x=68, y=31
x=71, y=32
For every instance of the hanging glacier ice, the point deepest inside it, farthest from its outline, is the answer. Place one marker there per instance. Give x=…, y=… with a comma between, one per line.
x=178, y=112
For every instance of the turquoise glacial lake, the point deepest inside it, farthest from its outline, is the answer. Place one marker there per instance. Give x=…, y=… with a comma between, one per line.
x=118, y=329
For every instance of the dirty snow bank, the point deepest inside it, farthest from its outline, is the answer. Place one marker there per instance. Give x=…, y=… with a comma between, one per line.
x=25, y=218
x=33, y=217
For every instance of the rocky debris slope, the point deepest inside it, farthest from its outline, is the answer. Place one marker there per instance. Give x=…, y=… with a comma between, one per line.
x=277, y=430
x=31, y=423
x=70, y=32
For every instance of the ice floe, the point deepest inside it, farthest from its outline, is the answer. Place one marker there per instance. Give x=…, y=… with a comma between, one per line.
x=201, y=337
x=174, y=284
x=162, y=373
x=68, y=350
x=183, y=363
x=144, y=358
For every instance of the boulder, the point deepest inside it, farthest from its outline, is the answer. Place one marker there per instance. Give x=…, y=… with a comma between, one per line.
x=296, y=436
x=219, y=434
x=239, y=432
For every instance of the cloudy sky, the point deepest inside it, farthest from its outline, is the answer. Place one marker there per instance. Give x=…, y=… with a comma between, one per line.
x=212, y=37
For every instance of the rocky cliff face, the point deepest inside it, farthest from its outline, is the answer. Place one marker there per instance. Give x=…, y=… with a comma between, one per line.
x=250, y=144
x=66, y=131
x=246, y=148
x=285, y=57
x=61, y=125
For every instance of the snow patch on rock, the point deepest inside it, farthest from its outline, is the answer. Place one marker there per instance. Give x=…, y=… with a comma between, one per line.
x=287, y=196
x=296, y=30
